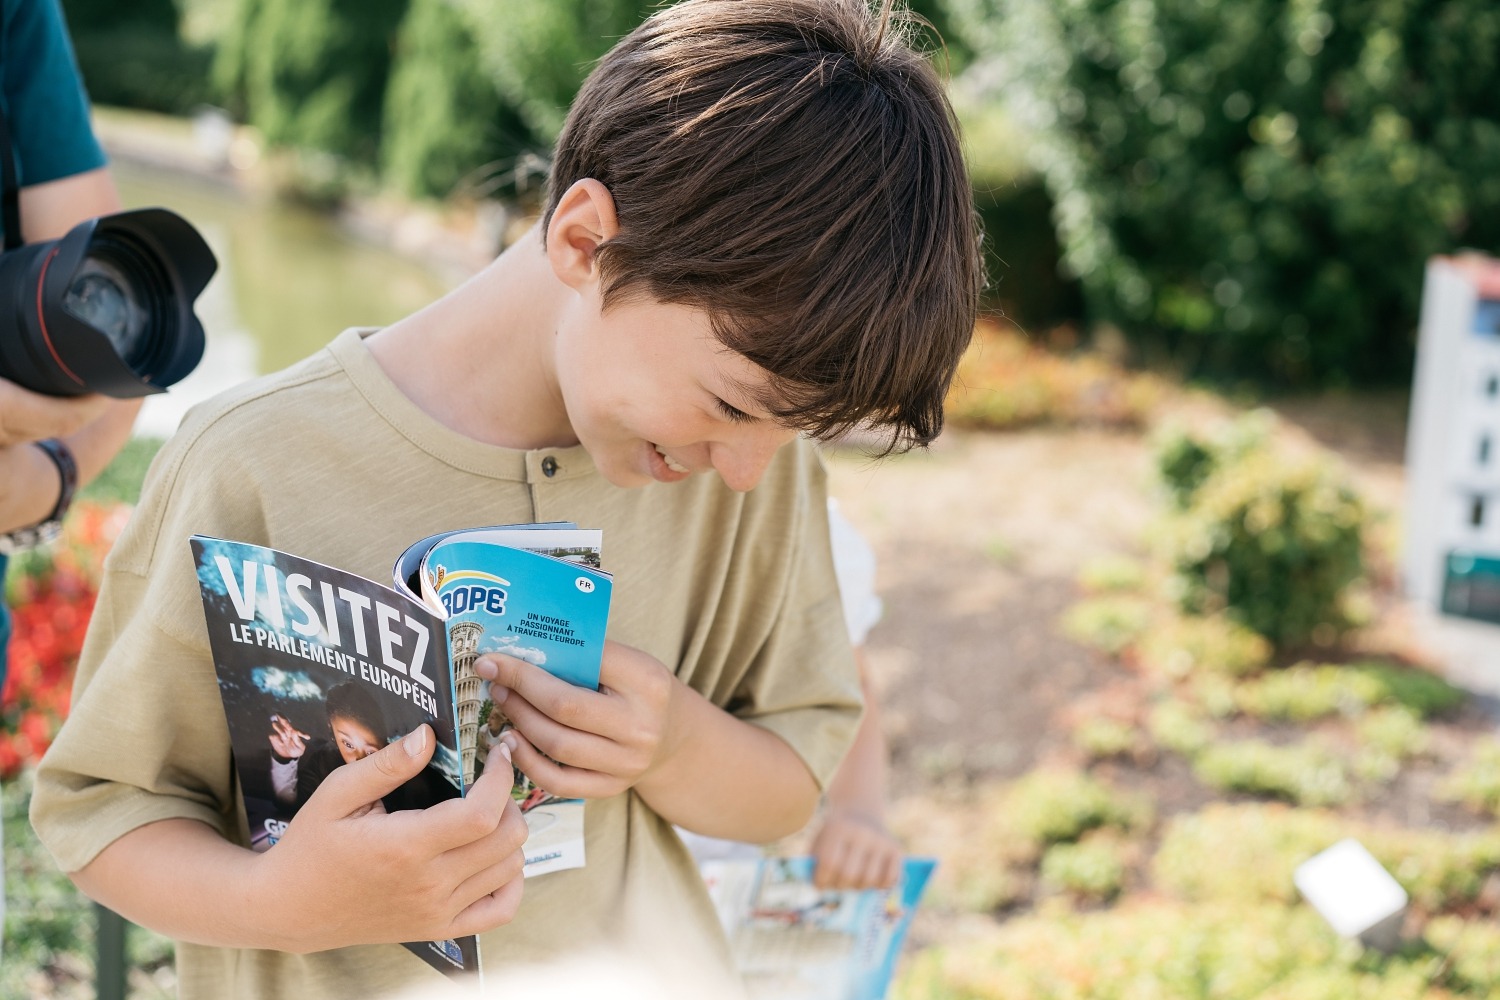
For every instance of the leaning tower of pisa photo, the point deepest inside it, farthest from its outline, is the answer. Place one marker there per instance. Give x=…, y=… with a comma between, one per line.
x=468, y=687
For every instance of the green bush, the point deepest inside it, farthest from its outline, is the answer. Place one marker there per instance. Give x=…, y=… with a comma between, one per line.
x=1306, y=773
x=1153, y=949
x=1050, y=806
x=1109, y=623
x=1273, y=540
x=1092, y=869
x=1112, y=573
x=1241, y=854
x=1100, y=738
x=1305, y=692
x=1397, y=731
x=1181, y=646
x=1253, y=188
x=1245, y=854
x=1471, y=949
x=1477, y=782
x=1178, y=726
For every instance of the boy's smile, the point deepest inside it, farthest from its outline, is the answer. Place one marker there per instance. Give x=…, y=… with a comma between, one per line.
x=653, y=396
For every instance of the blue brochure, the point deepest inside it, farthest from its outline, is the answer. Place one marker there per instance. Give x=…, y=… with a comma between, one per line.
x=794, y=941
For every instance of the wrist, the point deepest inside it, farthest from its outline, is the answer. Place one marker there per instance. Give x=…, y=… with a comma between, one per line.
x=58, y=457
x=870, y=816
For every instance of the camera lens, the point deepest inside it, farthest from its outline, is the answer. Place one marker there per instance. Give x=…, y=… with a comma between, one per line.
x=102, y=296
x=107, y=308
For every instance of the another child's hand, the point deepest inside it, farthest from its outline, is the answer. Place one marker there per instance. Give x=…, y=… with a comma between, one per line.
x=578, y=743
x=347, y=872
x=287, y=740
x=855, y=852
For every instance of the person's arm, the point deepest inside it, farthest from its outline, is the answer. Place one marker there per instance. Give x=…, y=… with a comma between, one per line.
x=695, y=764
x=94, y=427
x=852, y=848
x=345, y=873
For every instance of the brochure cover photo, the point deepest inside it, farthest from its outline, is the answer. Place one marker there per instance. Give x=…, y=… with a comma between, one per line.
x=318, y=667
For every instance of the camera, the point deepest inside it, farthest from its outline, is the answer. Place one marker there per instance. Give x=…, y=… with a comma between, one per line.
x=108, y=308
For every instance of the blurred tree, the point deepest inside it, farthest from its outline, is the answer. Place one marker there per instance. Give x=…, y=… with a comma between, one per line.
x=131, y=55
x=311, y=74
x=446, y=126
x=540, y=53
x=1251, y=188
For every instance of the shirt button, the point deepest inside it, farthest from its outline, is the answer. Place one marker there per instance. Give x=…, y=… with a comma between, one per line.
x=549, y=466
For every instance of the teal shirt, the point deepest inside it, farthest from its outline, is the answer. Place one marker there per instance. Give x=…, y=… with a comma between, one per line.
x=48, y=113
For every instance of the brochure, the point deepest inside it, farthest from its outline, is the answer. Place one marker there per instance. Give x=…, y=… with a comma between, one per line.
x=318, y=667
x=794, y=941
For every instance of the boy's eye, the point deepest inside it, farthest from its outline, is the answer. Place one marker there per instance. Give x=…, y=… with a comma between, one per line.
x=731, y=414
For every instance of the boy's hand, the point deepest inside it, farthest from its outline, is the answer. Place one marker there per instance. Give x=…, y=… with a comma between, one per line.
x=578, y=743
x=855, y=852
x=347, y=872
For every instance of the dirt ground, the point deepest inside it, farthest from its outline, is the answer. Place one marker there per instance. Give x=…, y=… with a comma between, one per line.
x=980, y=542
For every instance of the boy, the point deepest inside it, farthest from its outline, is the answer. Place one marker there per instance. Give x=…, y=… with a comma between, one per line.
x=758, y=225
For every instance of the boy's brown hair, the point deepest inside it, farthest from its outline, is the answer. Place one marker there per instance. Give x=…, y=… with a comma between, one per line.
x=793, y=168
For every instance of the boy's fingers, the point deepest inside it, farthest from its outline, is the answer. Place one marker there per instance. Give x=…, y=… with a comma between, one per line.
x=568, y=746
x=457, y=823
x=492, y=879
x=353, y=787
x=565, y=782
x=573, y=706
x=489, y=912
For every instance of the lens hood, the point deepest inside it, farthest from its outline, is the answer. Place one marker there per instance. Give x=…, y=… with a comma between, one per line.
x=148, y=265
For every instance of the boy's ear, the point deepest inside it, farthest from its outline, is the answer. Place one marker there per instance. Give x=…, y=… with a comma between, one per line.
x=584, y=219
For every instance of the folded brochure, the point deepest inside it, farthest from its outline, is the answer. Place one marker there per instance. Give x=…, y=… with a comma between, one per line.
x=318, y=667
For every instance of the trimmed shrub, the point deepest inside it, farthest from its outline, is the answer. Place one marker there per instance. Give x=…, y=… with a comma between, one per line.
x=1092, y=869
x=1050, y=806
x=1305, y=692
x=1152, y=949
x=1110, y=623
x=1245, y=854
x=1476, y=783
x=1272, y=540
x=1178, y=726
x=1216, y=644
x=1101, y=738
x=1112, y=573
x=1306, y=774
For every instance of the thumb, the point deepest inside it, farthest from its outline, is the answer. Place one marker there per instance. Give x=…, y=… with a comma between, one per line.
x=355, y=786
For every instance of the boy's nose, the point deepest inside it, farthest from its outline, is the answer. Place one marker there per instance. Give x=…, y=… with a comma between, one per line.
x=741, y=462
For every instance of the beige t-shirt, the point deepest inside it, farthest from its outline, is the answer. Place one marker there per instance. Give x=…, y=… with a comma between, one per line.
x=328, y=460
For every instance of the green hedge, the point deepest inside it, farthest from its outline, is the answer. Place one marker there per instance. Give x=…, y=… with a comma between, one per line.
x=1251, y=188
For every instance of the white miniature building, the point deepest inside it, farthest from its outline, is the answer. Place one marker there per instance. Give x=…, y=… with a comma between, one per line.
x=1452, y=559
x=1359, y=898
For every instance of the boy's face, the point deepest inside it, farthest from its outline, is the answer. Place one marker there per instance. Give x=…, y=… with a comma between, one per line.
x=354, y=739
x=654, y=397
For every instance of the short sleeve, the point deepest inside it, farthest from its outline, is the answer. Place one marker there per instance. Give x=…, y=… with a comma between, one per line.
x=45, y=102
x=145, y=738
x=804, y=685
